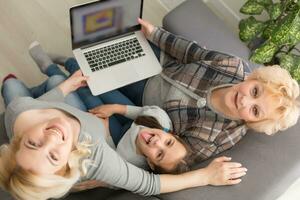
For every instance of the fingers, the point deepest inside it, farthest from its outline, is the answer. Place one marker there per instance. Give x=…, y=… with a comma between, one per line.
x=233, y=182
x=222, y=159
x=237, y=175
x=233, y=164
x=142, y=22
x=238, y=170
x=94, y=110
x=100, y=115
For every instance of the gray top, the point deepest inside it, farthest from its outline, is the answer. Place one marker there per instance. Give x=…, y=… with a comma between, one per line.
x=127, y=146
x=108, y=166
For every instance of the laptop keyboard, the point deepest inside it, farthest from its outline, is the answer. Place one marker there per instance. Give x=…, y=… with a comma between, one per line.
x=114, y=54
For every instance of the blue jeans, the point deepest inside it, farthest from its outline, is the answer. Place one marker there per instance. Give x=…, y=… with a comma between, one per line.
x=13, y=88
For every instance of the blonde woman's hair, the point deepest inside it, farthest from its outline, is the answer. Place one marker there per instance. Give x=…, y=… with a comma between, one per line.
x=285, y=90
x=25, y=185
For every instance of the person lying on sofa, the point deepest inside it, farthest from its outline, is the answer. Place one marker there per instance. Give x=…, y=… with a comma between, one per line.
x=54, y=145
x=208, y=97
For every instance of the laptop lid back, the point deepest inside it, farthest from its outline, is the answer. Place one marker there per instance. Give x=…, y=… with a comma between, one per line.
x=104, y=20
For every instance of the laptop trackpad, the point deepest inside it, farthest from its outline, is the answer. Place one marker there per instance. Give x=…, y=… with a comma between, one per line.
x=112, y=78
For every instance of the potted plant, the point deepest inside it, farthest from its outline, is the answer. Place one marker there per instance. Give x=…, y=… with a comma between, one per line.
x=274, y=40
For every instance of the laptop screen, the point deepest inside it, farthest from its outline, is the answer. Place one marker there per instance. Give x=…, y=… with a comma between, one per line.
x=97, y=21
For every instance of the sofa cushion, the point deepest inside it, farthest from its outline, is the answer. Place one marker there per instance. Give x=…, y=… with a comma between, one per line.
x=194, y=20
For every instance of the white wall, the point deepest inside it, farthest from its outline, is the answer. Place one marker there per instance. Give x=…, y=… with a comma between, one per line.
x=228, y=10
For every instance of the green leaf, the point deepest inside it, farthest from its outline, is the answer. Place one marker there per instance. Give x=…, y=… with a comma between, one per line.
x=294, y=31
x=252, y=8
x=265, y=2
x=286, y=61
x=265, y=53
x=275, y=10
x=282, y=33
x=249, y=28
x=291, y=63
x=271, y=25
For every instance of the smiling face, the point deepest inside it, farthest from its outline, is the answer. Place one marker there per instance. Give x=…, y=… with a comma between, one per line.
x=250, y=101
x=45, y=147
x=160, y=148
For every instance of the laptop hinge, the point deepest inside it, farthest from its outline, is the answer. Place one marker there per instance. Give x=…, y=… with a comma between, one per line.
x=106, y=40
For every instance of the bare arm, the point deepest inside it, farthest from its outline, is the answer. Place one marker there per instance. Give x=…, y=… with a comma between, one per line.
x=218, y=172
x=105, y=111
x=74, y=82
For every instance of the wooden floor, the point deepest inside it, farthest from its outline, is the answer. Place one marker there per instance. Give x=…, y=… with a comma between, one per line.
x=47, y=21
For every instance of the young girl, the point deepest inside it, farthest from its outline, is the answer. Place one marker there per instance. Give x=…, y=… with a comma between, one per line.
x=148, y=141
x=54, y=146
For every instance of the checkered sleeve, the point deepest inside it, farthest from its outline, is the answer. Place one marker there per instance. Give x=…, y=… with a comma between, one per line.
x=206, y=145
x=185, y=51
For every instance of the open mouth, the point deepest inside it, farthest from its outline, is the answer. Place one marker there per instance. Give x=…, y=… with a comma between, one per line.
x=57, y=131
x=147, y=137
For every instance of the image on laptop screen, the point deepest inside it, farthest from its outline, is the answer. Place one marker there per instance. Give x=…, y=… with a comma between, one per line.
x=101, y=20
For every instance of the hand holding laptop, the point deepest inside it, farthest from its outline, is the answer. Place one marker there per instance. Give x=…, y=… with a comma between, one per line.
x=147, y=27
x=77, y=80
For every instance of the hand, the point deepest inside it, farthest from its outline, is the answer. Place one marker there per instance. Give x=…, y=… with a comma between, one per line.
x=74, y=82
x=222, y=172
x=103, y=111
x=147, y=27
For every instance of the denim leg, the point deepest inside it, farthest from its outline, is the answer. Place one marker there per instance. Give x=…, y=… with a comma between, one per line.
x=88, y=99
x=12, y=88
x=155, y=49
x=71, y=65
x=116, y=97
x=115, y=129
x=53, y=69
x=72, y=99
x=135, y=91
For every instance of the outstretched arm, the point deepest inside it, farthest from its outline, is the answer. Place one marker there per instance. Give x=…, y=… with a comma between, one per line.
x=219, y=172
x=185, y=51
x=132, y=112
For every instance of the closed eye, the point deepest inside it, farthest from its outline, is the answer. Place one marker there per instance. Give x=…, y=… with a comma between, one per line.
x=159, y=155
x=53, y=157
x=32, y=144
x=169, y=143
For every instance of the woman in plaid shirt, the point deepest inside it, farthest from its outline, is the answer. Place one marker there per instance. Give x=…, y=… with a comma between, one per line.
x=208, y=97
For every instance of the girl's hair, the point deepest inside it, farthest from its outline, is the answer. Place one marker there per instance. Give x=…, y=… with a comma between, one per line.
x=285, y=90
x=184, y=164
x=23, y=184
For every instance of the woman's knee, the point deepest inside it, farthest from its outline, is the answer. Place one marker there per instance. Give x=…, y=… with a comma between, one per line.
x=71, y=65
x=54, y=81
x=14, y=86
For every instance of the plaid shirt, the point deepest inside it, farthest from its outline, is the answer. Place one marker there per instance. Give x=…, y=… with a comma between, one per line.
x=197, y=71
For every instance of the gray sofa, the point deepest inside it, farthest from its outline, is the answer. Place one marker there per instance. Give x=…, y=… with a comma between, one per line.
x=272, y=161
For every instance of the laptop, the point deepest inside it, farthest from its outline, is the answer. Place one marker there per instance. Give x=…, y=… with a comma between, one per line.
x=109, y=46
